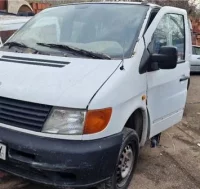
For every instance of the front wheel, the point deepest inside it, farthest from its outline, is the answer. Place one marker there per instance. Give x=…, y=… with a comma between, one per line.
x=126, y=163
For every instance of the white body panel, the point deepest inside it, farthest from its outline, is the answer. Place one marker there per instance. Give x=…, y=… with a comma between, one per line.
x=123, y=92
x=166, y=98
x=195, y=61
x=97, y=84
x=72, y=86
x=166, y=93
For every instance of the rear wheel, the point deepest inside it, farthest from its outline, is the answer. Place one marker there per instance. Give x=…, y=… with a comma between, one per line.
x=126, y=164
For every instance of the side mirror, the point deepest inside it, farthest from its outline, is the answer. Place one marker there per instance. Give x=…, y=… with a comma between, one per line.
x=167, y=58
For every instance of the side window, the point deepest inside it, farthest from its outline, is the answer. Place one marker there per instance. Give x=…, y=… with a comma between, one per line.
x=160, y=36
x=170, y=32
x=152, y=16
x=197, y=50
x=176, y=23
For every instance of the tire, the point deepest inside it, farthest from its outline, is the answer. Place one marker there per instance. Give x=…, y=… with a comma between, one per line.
x=130, y=143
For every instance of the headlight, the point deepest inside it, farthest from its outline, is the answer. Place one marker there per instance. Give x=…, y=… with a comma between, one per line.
x=74, y=122
x=65, y=121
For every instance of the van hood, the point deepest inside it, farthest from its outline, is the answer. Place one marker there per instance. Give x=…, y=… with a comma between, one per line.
x=56, y=81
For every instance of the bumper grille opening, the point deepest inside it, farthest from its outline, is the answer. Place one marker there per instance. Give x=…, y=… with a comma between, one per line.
x=67, y=176
x=15, y=154
x=23, y=114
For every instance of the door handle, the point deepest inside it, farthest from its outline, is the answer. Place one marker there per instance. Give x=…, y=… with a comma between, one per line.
x=184, y=78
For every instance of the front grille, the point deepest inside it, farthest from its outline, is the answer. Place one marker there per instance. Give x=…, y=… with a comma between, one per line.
x=23, y=114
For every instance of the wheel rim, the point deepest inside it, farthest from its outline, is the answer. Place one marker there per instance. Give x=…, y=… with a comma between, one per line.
x=125, y=166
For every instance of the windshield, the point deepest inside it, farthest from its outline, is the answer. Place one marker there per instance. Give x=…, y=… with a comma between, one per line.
x=111, y=29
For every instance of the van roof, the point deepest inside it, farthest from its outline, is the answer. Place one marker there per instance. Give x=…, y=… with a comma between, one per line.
x=114, y=2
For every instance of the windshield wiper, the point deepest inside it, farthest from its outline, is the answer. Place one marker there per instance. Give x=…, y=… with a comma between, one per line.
x=77, y=50
x=17, y=44
x=13, y=43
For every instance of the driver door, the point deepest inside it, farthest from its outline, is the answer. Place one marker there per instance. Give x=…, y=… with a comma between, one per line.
x=167, y=89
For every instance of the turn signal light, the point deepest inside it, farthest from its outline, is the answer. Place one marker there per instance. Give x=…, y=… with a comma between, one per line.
x=97, y=120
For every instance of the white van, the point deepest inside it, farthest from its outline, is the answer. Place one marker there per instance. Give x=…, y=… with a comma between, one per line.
x=10, y=24
x=84, y=85
x=195, y=59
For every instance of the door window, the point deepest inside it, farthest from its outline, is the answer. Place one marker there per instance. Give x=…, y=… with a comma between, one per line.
x=170, y=32
x=196, y=50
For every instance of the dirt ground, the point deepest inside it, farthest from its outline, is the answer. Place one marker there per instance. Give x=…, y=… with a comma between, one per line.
x=173, y=165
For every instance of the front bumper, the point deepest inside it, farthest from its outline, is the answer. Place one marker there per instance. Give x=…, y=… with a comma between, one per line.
x=61, y=163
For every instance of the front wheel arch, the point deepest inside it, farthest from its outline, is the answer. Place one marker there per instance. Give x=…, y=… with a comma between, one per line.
x=137, y=122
